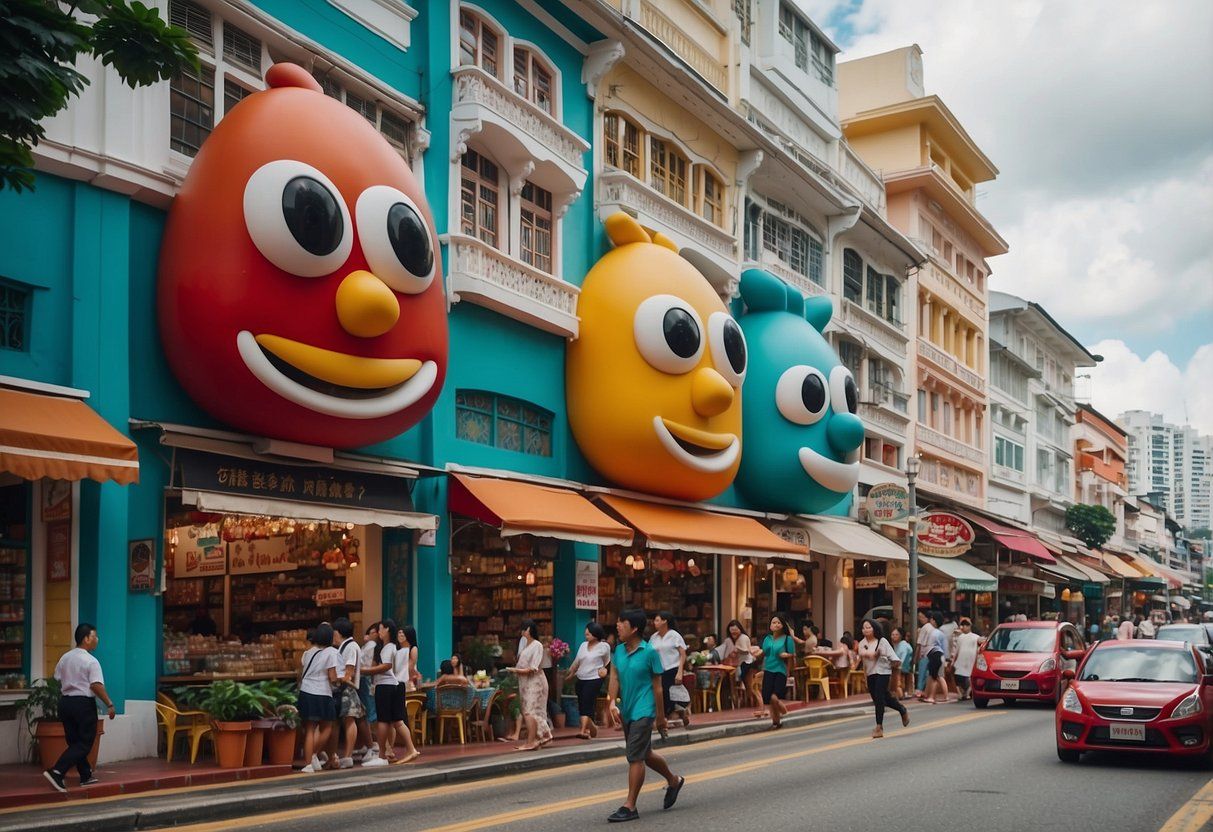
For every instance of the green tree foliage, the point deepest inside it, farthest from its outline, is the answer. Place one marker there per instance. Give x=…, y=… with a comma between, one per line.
x=1093, y=525
x=40, y=42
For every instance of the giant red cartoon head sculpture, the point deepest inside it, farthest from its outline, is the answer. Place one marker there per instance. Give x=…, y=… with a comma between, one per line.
x=300, y=292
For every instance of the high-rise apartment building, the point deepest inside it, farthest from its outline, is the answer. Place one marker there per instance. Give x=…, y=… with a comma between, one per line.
x=1172, y=465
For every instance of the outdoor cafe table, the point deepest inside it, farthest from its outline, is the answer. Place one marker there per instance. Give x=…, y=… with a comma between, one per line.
x=481, y=697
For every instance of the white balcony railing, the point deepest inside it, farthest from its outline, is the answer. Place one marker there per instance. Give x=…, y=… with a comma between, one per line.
x=487, y=277
x=946, y=362
x=884, y=332
x=622, y=190
x=952, y=446
x=675, y=37
x=862, y=179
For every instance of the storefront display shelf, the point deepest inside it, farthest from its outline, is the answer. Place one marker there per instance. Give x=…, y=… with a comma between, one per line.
x=206, y=678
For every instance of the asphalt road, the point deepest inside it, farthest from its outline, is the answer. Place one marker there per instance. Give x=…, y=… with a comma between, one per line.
x=954, y=768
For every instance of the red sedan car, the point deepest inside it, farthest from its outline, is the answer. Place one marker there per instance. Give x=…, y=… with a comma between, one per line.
x=1024, y=661
x=1141, y=695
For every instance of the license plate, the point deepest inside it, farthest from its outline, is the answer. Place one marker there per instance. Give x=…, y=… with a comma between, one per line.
x=1009, y=684
x=1132, y=733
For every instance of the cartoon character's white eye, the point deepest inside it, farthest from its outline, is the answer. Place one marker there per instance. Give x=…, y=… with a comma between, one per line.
x=395, y=239
x=668, y=334
x=728, y=347
x=297, y=219
x=802, y=394
x=843, y=394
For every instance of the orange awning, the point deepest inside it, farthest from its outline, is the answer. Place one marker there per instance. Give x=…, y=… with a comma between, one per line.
x=528, y=508
x=696, y=530
x=1121, y=567
x=61, y=438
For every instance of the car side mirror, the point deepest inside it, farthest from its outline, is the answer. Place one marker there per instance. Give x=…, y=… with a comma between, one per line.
x=1069, y=675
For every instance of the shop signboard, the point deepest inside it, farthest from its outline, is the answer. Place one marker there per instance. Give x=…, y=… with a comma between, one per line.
x=248, y=557
x=886, y=502
x=870, y=582
x=330, y=597
x=198, y=557
x=585, y=587
x=1022, y=586
x=59, y=551
x=56, y=500
x=897, y=574
x=946, y=535
x=792, y=534
x=201, y=471
x=141, y=557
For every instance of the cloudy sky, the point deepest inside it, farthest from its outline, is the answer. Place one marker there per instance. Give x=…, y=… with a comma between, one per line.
x=1099, y=117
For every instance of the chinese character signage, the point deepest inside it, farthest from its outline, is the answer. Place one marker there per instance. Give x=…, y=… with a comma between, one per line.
x=585, y=587
x=142, y=560
x=301, y=483
x=330, y=597
x=887, y=502
x=247, y=557
x=946, y=535
x=199, y=553
x=59, y=551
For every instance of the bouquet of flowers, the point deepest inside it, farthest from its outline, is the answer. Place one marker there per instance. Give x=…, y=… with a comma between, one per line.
x=558, y=650
x=481, y=679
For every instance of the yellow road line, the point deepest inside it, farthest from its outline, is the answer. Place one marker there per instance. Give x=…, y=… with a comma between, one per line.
x=1193, y=815
x=714, y=774
x=461, y=788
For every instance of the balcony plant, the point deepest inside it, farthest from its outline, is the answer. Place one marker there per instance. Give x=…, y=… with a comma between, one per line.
x=232, y=707
x=41, y=712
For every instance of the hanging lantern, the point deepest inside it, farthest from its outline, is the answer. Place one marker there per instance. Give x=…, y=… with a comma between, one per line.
x=638, y=563
x=1065, y=594
x=629, y=560
x=530, y=577
x=690, y=563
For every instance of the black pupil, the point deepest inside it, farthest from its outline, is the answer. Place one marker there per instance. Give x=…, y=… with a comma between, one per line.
x=852, y=395
x=312, y=215
x=813, y=393
x=681, y=332
x=734, y=347
x=410, y=239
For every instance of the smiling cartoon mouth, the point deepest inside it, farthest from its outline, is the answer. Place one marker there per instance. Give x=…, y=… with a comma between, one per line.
x=698, y=449
x=836, y=476
x=334, y=383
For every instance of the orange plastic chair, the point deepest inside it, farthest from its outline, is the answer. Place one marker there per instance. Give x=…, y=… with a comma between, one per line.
x=816, y=675
x=482, y=719
x=193, y=724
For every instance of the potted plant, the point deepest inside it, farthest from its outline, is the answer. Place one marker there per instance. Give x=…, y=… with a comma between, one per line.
x=508, y=706
x=282, y=725
x=41, y=710
x=568, y=703
x=232, y=707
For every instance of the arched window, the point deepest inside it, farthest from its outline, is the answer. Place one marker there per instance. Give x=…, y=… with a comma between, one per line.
x=622, y=142
x=709, y=195
x=668, y=170
x=479, y=44
x=533, y=80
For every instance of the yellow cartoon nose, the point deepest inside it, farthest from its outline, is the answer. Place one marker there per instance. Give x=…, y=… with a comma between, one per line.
x=366, y=307
x=711, y=395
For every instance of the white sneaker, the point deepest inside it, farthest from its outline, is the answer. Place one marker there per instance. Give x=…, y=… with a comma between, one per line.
x=359, y=753
x=374, y=762
x=317, y=763
x=308, y=769
x=345, y=762
x=324, y=758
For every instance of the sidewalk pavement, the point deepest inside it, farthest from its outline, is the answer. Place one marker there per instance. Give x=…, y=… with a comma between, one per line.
x=146, y=794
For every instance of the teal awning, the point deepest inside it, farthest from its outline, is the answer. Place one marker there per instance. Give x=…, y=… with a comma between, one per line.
x=968, y=577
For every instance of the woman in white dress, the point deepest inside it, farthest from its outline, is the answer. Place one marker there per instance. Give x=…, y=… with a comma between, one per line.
x=532, y=688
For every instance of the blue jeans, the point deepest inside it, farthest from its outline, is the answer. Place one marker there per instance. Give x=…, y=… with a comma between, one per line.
x=922, y=674
x=368, y=699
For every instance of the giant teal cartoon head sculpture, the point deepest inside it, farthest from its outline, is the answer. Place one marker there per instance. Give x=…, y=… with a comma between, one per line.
x=801, y=435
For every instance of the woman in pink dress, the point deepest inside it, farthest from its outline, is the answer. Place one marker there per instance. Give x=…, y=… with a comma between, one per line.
x=532, y=688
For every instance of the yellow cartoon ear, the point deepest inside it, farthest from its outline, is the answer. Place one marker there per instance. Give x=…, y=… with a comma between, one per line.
x=623, y=229
x=662, y=240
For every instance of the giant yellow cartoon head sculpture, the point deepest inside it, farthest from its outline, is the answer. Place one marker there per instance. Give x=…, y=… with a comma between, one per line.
x=654, y=378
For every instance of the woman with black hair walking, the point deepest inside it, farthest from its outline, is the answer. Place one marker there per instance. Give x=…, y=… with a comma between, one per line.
x=589, y=668
x=389, y=698
x=532, y=688
x=777, y=650
x=317, y=708
x=672, y=649
x=737, y=643
x=879, y=657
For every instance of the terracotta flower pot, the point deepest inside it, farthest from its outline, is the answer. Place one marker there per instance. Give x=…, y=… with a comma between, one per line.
x=281, y=746
x=254, y=749
x=52, y=742
x=230, y=741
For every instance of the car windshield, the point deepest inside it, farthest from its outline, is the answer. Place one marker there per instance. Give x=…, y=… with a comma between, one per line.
x=1192, y=633
x=1022, y=640
x=1139, y=664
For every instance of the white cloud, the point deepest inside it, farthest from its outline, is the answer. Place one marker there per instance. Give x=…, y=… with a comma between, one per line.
x=1100, y=120
x=1126, y=381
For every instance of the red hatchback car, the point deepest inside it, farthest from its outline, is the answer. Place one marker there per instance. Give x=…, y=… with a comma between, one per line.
x=1140, y=695
x=1024, y=661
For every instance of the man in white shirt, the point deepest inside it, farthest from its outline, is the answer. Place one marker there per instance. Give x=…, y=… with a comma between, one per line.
x=79, y=675
x=1125, y=630
x=1146, y=630
x=922, y=645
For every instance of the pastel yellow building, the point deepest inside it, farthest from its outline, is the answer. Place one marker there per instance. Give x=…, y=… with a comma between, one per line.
x=931, y=168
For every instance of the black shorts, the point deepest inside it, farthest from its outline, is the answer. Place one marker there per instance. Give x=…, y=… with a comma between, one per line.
x=389, y=703
x=587, y=697
x=773, y=684
x=934, y=665
x=315, y=707
x=747, y=670
x=638, y=739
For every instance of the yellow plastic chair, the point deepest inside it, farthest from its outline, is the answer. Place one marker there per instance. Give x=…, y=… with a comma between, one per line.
x=857, y=681
x=194, y=724
x=816, y=675
x=414, y=710
x=453, y=703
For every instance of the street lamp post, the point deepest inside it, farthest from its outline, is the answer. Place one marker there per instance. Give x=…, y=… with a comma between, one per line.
x=912, y=524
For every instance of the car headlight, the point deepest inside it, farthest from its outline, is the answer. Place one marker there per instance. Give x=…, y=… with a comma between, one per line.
x=981, y=662
x=1190, y=705
x=1070, y=702
x=1047, y=665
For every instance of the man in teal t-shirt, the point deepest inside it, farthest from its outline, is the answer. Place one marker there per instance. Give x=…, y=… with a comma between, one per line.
x=636, y=680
